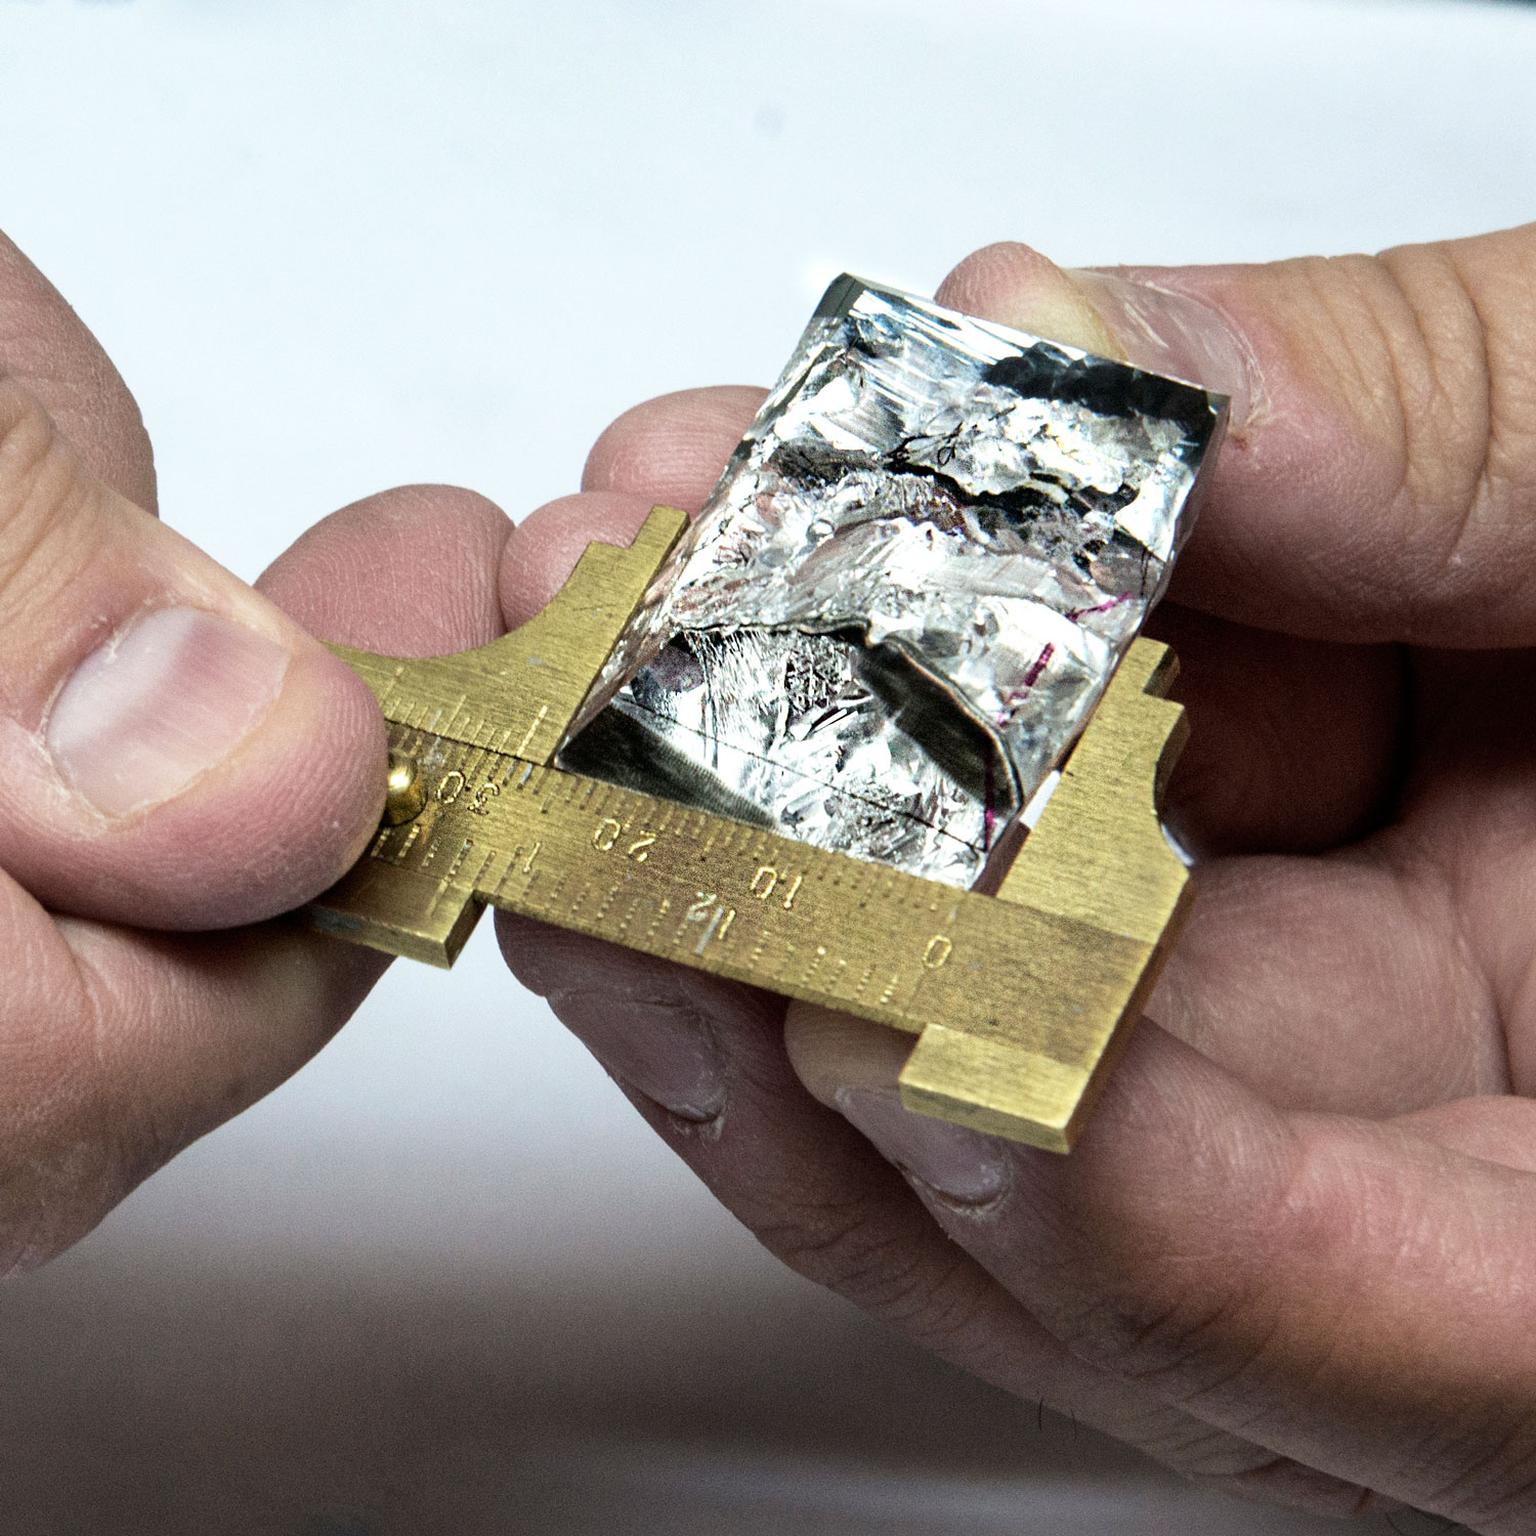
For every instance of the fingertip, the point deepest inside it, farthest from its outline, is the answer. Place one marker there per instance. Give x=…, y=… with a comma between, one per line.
x=266, y=828
x=672, y=449
x=834, y=1053
x=1013, y=284
x=410, y=571
x=542, y=551
x=978, y=282
x=330, y=792
x=406, y=572
x=292, y=815
x=545, y=959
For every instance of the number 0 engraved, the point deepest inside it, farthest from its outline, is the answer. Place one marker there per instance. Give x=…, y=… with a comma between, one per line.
x=606, y=835
x=938, y=951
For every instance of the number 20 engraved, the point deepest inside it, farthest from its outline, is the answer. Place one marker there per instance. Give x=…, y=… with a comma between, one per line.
x=608, y=833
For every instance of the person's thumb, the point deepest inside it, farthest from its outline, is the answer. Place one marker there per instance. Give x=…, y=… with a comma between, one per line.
x=178, y=753
x=1380, y=471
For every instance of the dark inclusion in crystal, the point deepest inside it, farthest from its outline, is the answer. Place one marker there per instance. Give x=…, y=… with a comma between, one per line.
x=910, y=587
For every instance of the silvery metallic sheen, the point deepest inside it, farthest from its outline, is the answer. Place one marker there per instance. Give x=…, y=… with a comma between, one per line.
x=909, y=588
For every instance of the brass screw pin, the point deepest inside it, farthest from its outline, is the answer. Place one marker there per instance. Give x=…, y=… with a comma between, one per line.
x=404, y=796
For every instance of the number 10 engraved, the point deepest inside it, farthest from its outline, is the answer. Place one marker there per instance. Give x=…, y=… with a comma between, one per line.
x=766, y=881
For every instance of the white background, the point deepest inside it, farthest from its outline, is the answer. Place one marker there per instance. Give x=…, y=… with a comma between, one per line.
x=445, y=1281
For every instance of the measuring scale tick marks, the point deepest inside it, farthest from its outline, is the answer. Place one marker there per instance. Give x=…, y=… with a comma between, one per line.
x=1017, y=998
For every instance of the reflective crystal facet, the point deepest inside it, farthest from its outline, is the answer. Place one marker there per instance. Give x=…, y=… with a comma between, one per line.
x=909, y=588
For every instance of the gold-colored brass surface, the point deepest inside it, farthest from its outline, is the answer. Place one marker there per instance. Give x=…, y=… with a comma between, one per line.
x=405, y=793
x=1017, y=999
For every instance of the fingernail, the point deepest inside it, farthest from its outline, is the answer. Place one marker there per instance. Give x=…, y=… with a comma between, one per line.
x=663, y=1049
x=1173, y=333
x=961, y=1165
x=164, y=700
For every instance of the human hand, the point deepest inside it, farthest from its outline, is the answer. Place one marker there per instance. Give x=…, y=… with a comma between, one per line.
x=179, y=755
x=1293, y=1254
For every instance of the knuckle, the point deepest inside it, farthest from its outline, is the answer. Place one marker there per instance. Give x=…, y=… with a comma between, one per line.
x=1182, y=1324
x=74, y=1143
x=42, y=494
x=1439, y=359
x=831, y=1242
x=1278, y=1480
x=1189, y=1346
x=1480, y=1470
x=945, y=1305
x=1439, y=354
x=877, y=1265
x=30, y=453
x=1209, y=1326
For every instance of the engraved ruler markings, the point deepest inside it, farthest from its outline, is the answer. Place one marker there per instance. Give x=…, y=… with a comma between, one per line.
x=1016, y=998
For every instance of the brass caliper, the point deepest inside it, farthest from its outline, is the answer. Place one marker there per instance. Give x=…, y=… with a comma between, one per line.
x=1018, y=999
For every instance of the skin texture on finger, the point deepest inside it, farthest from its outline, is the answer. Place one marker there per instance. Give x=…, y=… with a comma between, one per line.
x=149, y=699
x=45, y=347
x=1347, y=1294
x=673, y=447
x=408, y=572
x=1376, y=481
x=119, y=1047
x=1469, y=823
x=1496, y=1129
x=704, y=1062
x=1294, y=745
x=1329, y=984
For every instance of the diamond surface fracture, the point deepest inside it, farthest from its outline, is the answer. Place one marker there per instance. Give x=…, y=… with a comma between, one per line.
x=909, y=588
